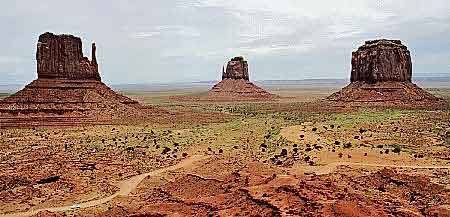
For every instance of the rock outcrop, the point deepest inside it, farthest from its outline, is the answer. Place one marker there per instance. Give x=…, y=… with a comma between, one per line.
x=236, y=85
x=382, y=76
x=61, y=57
x=237, y=68
x=68, y=90
x=381, y=60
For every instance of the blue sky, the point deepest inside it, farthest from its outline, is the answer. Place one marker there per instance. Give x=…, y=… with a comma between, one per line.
x=147, y=41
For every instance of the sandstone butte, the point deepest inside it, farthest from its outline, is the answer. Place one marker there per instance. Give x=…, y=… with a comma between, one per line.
x=68, y=90
x=382, y=76
x=236, y=85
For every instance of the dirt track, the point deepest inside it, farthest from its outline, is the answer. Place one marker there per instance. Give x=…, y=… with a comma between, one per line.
x=126, y=187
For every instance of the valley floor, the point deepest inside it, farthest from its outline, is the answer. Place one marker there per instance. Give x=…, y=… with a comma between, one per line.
x=262, y=159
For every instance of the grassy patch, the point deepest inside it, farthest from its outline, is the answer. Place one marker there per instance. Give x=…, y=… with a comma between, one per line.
x=3, y=95
x=368, y=116
x=442, y=93
x=260, y=111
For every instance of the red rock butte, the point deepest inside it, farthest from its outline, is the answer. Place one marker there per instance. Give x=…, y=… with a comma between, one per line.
x=382, y=75
x=237, y=68
x=380, y=61
x=236, y=85
x=68, y=90
x=61, y=57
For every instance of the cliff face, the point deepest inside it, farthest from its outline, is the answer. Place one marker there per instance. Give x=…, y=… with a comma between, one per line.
x=381, y=61
x=237, y=68
x=61, y=57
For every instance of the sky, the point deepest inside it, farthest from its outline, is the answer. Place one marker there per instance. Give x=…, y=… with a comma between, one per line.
x=163, y=41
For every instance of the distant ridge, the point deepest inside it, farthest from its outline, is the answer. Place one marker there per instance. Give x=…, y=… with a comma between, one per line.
x=425, y=81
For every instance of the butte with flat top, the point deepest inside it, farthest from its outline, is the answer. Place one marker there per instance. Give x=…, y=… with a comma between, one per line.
x=382, y=76
x=68, y=90
x=236, y=85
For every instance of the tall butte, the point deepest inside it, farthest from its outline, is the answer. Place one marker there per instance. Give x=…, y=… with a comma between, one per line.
x=382, y=75
x=236, y=85
x=68, y=90
x=61, y=57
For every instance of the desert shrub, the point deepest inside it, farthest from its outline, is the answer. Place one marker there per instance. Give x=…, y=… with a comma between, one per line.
x=348, y=145
x=396, y=148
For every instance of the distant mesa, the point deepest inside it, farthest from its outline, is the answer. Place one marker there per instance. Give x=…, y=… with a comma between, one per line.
x=68, y=90
x=236, y=85
x=382, y=76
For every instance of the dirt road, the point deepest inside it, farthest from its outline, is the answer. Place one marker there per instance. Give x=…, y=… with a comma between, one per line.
x=126, y=187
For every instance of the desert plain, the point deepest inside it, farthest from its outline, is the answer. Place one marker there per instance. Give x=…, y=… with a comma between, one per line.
x=260, y=158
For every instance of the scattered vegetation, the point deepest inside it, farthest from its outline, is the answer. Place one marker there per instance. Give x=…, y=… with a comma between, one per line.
x=443, y=93
x=368, y=116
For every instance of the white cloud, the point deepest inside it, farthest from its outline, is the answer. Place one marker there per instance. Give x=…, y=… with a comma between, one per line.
x=278, y=49
x=175, y=30
x=144, y=34
x=270, y=27
x=167, y=40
